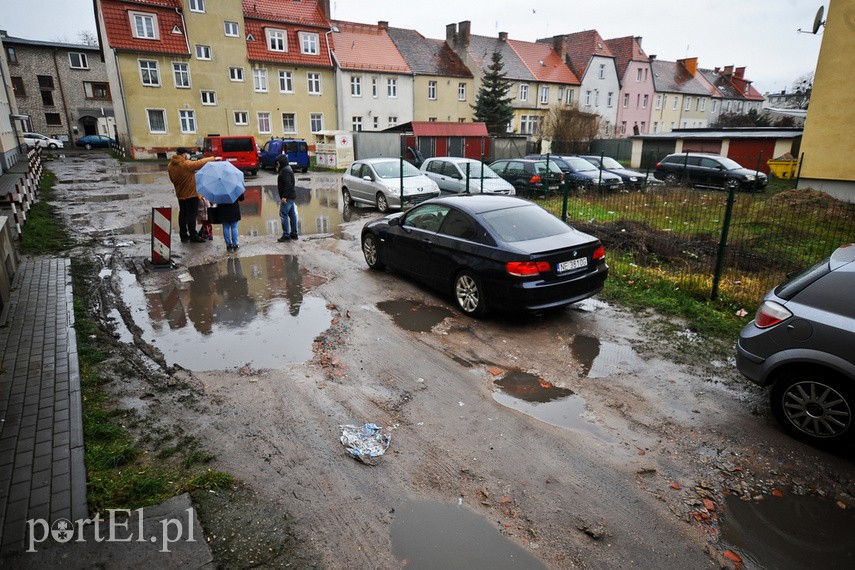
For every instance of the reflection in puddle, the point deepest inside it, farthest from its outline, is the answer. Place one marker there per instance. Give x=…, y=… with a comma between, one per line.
x=599, y=359
x=790, y=532
x=413, y=316
x=436, y=535
x=539, y=399
x=233, y=312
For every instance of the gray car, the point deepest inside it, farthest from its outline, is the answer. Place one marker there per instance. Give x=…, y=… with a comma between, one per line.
x=377, y=181
x=802, y=344
x=457, y=175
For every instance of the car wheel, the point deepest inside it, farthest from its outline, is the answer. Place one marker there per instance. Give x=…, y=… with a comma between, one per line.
x=815, y=406
x=469, y=294
x=382, y=204
x=88, y=146
x=371, y=251
x=731, y=184
x=305, y=170
x=346, y=197
x=52, y=146
x=671, y=179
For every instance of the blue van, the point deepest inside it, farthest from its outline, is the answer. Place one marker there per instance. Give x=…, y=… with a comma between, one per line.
x=298, y=154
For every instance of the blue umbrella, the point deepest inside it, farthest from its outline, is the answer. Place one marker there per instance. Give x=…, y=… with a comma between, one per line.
x=220, y=182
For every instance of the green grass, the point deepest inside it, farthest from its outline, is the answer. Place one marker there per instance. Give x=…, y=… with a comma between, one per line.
x=43, y=232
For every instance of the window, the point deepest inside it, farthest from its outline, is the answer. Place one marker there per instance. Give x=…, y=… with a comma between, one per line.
x=523, y=92
x=209, y=97
x=569, y=96
x=602, y=71
x=181, y=75
x=289, y=123
x=203, y=52
x=714, y=106
x=688, y=101
x=47, y=98
x=529, y=124
x=18, y=87
x=644, y=101
x=609, y=99
x=376, y=123
x=96, y=90
x=143, y=25
x=643, y=127
x=309, y=43
x=703, y=104
x=259, y=80
x=658, y=102
x=314, y=80
x=263, y=122
x=588, y=98
x=187, y=120
x=356, y=123
x=231, y=29
x=45, y=81
x=78, y=60
x=432, y=90
x=356, y=86
x=197, y=5
x=655, y=127
x=623, y=127
x=544, y=95
x=149, y=73
x=625, y=100
x=676, y=102
x=560, y=94
x=156, y=120
x=638, y=75
x=11, y=54
x=316, y=122
x=241, y=118
x=392, y=88
x=236, y=73
x=393, y=121
x=53, y=119
x=374, y=87
x=461, y=92
x=276, y=40
x=286, y=82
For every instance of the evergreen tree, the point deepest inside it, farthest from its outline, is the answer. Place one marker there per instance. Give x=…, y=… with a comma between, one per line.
x=492, y=105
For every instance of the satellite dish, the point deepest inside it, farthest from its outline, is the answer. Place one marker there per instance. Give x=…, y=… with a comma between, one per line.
x=817, y=21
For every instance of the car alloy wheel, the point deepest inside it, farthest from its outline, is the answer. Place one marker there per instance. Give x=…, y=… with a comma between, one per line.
x=671, y=179
x=819, y=412
x=468, y=294
x=382, y=204
x=731, y=184
x=371, y=251
x=88, y=146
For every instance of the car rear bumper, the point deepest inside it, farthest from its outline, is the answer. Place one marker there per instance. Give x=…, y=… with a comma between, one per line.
x=538, y=295
x=750, y=365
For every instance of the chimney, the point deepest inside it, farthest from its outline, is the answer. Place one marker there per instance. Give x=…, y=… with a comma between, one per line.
x=652, y=57
x=559, y=44
x=739, y=72
x=463, y=33
x=717, y=69
x=324, y=5
x=728, y=70
x=503, y=36
x=691, y=65
x=383, y=24
x=450, y=35
x=638, y=41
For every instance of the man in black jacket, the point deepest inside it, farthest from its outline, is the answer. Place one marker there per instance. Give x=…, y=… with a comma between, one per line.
x=287, y=202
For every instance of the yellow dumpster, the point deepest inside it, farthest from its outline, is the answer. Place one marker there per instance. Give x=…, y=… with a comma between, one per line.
x=782, y=168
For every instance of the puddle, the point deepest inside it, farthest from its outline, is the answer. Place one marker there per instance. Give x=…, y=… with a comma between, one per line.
x=120, y=330
x=104, y=198
x=413, y=316
x=438, y=535
x=539, y=399
x=790, y=532
x=237, y=311
x=600, y=359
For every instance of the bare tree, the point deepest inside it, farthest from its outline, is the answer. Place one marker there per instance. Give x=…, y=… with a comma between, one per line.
x=571, y=130
x=87, y=38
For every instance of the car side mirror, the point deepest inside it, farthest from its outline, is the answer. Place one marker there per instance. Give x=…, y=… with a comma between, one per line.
x=367, y=178
x=395, y=221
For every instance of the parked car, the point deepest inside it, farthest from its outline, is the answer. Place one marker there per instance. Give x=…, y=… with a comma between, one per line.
x=297, y=150
x=377, y=181
x=583, y=174
x=529, y=176
x=801, y=344
x=37, y=140
x=630, y=178
x=94, y=141
x=454, y=174
x=702, y=169
x=489, y=252
x=240, y=150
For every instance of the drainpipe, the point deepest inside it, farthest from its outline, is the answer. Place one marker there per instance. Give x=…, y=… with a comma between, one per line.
x=62, y=98
x=124, y=102
x=180, y=12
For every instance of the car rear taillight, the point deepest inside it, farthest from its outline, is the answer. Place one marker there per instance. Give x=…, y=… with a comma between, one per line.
x=599, y=253
x=526, y=268
x=535, y=179
x=658, y=164
x=771, y=313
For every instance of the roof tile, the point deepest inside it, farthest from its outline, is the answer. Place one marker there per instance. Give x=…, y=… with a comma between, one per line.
x=543, y=62
x=366, y=46
x=118, y=26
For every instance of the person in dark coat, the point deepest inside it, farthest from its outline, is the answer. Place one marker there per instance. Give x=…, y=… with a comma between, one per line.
x=287, y=201
x=229, y=215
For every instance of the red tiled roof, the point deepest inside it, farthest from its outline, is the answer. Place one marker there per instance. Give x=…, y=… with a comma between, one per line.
x=543, y=62
x=580, y=47
x=625, y=49
x=366, y=46
x=305, y=12
x=448, y=129
x=118, y=26
x=256, y=49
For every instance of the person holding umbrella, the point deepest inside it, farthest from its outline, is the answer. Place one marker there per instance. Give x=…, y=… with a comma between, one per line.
x=223, y=184
x=182, y=174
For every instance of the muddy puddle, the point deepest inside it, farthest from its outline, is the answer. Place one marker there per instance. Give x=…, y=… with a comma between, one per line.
x=414, y=316
x=548, y=403
x=790, y=532
x=253, y=311
x=437, y=535
x=599, y=359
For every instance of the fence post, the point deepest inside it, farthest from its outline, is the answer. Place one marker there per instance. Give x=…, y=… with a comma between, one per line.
x=799, y=171
x=566, y=198
x=401, y=178
x=757, y=172
x=722, y=244
x=467, y=177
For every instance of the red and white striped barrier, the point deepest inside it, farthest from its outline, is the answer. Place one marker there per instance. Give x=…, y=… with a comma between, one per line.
x=161, y=236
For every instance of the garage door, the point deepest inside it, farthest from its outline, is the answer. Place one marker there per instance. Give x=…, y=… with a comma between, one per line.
x=752, y=153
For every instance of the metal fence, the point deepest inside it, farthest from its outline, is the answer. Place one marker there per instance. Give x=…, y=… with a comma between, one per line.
x=693, y=239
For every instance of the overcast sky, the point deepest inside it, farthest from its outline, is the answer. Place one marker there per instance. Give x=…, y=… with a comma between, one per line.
x=760, y=35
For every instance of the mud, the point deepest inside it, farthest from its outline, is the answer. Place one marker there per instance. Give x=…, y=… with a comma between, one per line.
x=667, y=436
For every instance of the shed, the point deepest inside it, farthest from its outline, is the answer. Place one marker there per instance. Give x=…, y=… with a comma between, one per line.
x=433, y=138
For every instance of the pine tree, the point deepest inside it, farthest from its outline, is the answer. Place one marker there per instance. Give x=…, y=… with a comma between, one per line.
x=492, y=105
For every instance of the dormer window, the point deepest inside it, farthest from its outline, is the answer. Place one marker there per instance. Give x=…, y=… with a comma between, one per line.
x=144, y=25
x=309, y=43
x=277, y=40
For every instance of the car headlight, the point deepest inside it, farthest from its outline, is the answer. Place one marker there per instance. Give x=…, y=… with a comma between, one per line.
x=633, y=179
x=750, y=178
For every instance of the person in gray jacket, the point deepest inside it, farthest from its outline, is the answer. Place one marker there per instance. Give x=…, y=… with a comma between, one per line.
x=287, y=202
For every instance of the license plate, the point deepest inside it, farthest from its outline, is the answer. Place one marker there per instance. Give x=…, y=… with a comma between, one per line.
x=572, y=264
x=231, y=160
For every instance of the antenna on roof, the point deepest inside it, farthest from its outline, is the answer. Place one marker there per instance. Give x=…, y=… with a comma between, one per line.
x=817, y=22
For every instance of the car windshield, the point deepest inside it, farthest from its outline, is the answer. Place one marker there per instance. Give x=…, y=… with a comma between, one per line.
x=475, y=169
x=579, y=163
x=611, y=164
x=392, y=169
x=540, y=167
x=523, y=223
x=729, y=164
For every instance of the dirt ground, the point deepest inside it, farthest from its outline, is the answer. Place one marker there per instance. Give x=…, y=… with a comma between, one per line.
x=668, y=430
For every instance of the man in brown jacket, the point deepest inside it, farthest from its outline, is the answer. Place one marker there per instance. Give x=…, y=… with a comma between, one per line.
x=182, y=173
